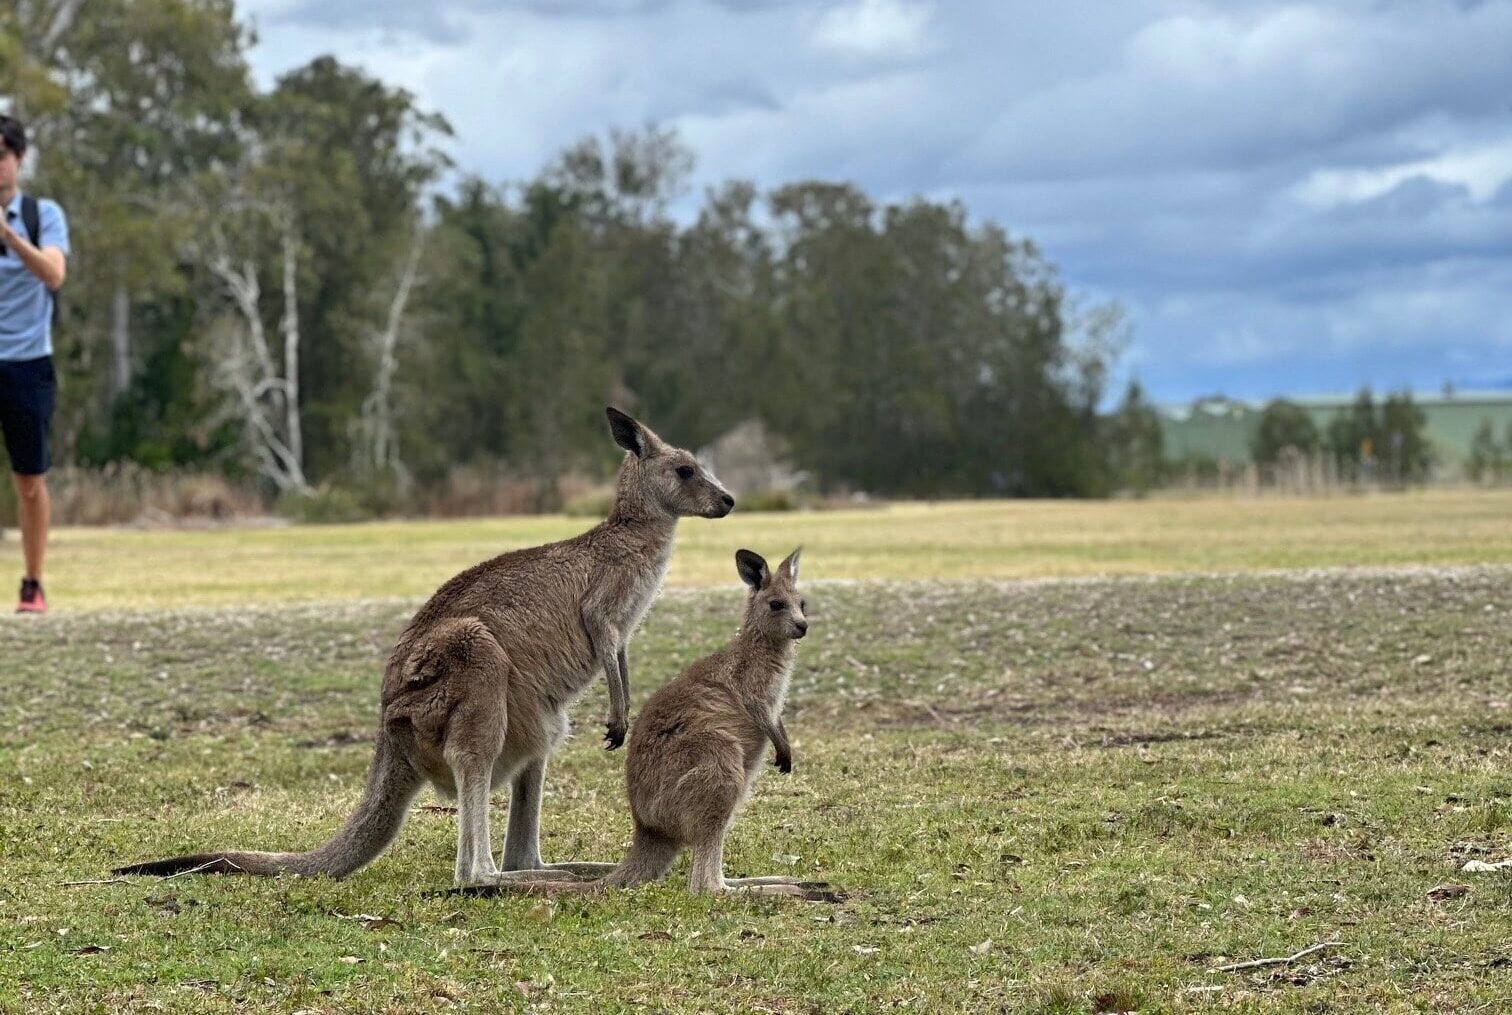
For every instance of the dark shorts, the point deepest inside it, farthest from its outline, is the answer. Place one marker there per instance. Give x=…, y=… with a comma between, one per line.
x=28, y=389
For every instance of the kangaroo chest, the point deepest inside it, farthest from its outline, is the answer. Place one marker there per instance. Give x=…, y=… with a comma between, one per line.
x=777, y=693
x=639, y=591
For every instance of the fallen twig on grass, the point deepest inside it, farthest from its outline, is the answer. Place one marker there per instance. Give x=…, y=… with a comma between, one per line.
x=368, y=920
x=96, y=881
x=203, y=866
x=1284, y=960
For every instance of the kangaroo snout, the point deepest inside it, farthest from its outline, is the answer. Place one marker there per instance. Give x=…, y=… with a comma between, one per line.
x=723, y=505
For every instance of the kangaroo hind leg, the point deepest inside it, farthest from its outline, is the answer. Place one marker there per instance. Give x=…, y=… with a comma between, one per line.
x=475, y=671
x=522, y=841
x=474, y=740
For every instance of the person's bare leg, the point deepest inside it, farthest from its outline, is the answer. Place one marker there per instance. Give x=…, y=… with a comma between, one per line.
x=33, y=510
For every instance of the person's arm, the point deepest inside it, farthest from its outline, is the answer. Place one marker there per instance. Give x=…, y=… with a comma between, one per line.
x=49, y=264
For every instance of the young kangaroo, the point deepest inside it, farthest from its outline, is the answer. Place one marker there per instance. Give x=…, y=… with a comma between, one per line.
x=477, y=689
x=696, y=748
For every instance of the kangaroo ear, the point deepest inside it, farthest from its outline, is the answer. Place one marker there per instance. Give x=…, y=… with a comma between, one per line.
x=789, y=566
x=753, y=569
x=628, y=434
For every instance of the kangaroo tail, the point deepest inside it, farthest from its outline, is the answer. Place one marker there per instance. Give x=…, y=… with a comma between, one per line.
x=391, y=785
x=651, y=856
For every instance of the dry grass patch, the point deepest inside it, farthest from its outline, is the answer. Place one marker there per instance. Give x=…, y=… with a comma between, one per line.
x=92, y=568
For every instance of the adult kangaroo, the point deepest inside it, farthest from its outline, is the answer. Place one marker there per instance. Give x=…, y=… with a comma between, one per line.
x=477, y=689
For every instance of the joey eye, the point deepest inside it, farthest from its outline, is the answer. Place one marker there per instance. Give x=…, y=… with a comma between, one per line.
x=803, y=605
x=685, y=472
x=777, y=604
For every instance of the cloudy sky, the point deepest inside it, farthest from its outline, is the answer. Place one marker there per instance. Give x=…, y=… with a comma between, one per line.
x=1288, y=197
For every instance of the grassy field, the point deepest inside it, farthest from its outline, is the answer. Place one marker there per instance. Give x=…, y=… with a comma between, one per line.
x=994, y=539
x=1037, y=796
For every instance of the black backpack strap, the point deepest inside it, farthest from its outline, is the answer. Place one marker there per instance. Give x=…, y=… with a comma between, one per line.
x=31, y=217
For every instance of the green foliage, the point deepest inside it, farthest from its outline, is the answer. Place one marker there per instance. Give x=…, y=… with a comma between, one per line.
x=894, y=349
x=769, y=500
x=1385, y=444
x=593, y=504
x=1405, y=451
x=126, y=101
x=1195, y=468
x=1485, y=461
x=348, y=498
x=1135, y=444
x=1352, y=438
x=349, y=158
x=897, y=349
x=327, y=505
x=1283, y=425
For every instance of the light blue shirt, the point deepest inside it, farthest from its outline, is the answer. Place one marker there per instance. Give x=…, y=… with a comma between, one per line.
x=25, y=304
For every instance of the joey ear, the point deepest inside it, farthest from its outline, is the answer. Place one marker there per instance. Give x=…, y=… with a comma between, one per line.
x=627, y=433
x=789, y=566
x=753, y=569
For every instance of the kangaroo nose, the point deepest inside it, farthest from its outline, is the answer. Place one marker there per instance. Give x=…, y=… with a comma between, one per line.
x=729, y=502
x=802, y=626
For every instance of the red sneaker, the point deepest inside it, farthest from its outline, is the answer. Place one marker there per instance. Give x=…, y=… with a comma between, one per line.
x=32, y=600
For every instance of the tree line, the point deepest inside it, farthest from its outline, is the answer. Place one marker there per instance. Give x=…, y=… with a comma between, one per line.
x=1371, y=442
x=1374, y=441
x=296, y=286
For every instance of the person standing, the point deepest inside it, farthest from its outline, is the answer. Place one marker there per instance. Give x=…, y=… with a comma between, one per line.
x=33, y=264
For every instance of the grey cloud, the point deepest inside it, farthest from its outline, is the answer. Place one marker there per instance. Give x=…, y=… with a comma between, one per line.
x=448, y=22
x=1227, y=91
x=444, y=21
x=439, y=23
x=1154, y=147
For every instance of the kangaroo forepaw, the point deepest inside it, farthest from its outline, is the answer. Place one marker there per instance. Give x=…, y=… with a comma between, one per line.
x=614, y=734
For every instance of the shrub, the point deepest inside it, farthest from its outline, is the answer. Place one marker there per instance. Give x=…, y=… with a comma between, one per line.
x=329, y=505
x=122, y=492
x=768, y=500
x=591, y=504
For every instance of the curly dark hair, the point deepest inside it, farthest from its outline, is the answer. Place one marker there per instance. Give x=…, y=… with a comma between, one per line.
x=13, y=134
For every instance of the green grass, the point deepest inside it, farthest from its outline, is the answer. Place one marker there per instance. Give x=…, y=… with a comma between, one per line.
x=1120, y=783
x=991, y=539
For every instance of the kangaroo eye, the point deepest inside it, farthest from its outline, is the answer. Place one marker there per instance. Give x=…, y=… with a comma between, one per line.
x=685, y=472
x=778, y=604
x=803, y=605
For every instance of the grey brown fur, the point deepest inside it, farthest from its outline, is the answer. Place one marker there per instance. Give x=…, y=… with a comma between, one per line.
x=476, y=692
x=697, y=747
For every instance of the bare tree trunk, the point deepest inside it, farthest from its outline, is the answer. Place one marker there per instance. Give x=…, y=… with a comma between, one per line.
x=291, y=339
x=247, y=370
x=120, y=340
x=378, y=408
x=40, y=45
x=62, y=21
